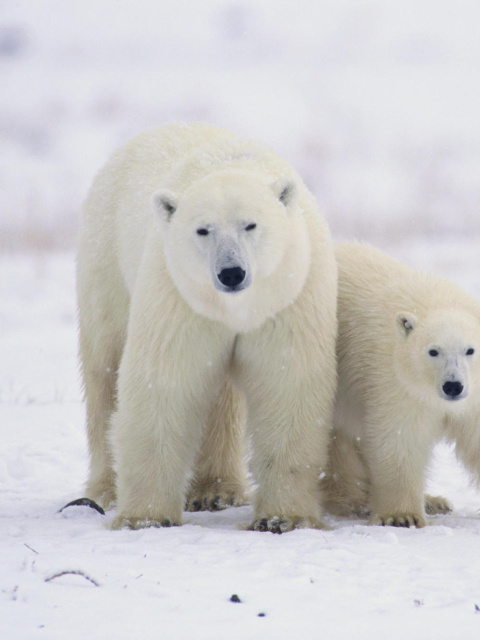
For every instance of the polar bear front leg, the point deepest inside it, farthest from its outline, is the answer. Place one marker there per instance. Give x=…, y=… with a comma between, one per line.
x=289, y=454
x=154, y=450
x=165, y=393
x=397, y=453
x=289, y=396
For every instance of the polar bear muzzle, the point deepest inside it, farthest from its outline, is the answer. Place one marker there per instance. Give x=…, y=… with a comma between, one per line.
x=232, y=277
x=452, y=389
x=230, y=268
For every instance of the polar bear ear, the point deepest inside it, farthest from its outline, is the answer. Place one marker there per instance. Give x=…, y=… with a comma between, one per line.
x=405, y=322
x=165, y=203
x=285, y=190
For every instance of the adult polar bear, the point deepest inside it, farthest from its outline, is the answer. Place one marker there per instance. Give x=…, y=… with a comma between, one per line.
x=409, y=370
x=226, y=291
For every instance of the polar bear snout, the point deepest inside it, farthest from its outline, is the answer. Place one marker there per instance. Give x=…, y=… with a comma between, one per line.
x=454, y=384
x=452, y=389
x=230, y=267
x=232, y=278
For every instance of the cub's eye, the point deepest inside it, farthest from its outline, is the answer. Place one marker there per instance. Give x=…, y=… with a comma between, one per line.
x=250, y=227
x=470, y=351
x=433, y=353
x=202, y=231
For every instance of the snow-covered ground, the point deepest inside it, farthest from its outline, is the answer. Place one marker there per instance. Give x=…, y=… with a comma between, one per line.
x=354, y=581
x=377, y=105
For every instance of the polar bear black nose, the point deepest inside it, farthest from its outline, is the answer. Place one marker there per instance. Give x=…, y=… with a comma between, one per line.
x=231, y=277
x=452, y=388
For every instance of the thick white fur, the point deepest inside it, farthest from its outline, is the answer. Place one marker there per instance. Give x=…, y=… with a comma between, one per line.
x=390, y=407
x=171, y=363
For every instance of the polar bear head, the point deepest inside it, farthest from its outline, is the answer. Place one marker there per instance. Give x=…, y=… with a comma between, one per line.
x=228, y=235
x=438, y=356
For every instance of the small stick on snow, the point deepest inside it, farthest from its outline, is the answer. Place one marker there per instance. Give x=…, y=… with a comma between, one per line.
x=31, y=549
x=72, y=573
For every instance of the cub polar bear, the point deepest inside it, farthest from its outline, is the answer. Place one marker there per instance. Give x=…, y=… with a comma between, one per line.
x=408, y=374
x=206, y=288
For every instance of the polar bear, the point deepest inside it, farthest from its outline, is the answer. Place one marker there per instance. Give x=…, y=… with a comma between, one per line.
x=409, y=375
x=206, y=285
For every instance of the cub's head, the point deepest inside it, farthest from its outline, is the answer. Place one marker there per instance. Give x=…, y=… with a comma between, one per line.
x=438, y=356
x=227, y=233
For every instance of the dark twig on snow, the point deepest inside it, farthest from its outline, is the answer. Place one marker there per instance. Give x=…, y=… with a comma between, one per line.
x=72, y=573
x=84, y=502
x=29, y=547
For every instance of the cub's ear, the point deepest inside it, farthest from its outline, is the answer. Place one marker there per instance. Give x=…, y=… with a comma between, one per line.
x=405, y=323
x=165, y=204
x=285, y=190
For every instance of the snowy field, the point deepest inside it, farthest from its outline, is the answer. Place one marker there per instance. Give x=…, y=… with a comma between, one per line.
x=354, y=581
x=377, y=105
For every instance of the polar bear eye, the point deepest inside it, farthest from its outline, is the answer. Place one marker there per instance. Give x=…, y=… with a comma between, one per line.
x=433, y=353
x=470, y=352
x=202, y=231
x=250, y=227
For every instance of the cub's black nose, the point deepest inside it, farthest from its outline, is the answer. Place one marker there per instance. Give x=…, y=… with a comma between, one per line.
x=452, y=388
x=231, y=277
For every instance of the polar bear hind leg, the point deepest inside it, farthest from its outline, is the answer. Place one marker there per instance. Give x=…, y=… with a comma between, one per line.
x=437, y=505
x=102, y=336
x=220, y=474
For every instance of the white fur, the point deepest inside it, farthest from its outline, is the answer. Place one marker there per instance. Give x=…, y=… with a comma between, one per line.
x=185, y=353
x=404, y=337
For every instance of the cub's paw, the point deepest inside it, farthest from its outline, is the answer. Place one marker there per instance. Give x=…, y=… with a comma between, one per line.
x=276, y=524
x=399, y=520
x=437, y=504
x=216, y=496
x=125, y=522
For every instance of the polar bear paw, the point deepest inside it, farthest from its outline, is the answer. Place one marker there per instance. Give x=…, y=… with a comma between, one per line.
x=276, y=524
x=402, y=519
x=437, y=504
x=125, y=522
x=216, y=496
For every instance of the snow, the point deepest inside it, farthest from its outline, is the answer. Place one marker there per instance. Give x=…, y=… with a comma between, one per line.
x=376, y=104
x=354, y=581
